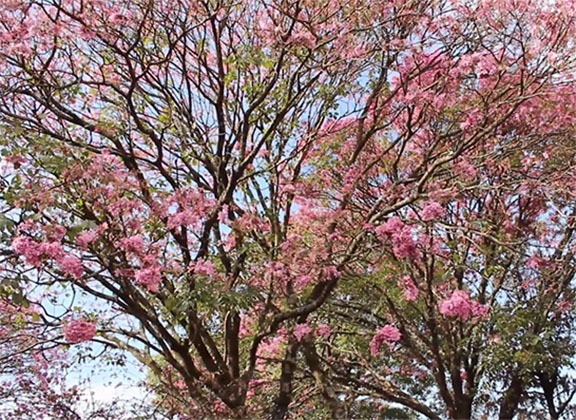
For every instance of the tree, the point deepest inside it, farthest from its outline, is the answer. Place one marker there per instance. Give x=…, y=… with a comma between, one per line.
x=289, y=207
x=484, y=315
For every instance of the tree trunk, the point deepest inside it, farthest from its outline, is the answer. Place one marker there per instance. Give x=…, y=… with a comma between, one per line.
x=512, y=398
x=280, y=408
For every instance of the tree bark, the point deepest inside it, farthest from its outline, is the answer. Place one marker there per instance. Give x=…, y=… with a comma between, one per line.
x=512, y=398
x=336, y=406
x=280, y=408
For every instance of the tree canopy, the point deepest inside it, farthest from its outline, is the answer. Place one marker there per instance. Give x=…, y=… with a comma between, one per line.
x=291, y=209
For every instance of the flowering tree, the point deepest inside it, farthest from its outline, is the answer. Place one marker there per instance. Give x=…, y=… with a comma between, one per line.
x=483, y=321
x=283, y=207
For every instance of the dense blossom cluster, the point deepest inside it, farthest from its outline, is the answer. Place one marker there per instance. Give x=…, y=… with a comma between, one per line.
x=431, y=210
x=37, y=252
x=79, y=330
x=301, y=330
x=149, y=277
x=460, y=305
x=323, y=330
x=386, y=334
x=409, y=288
x=404, y=244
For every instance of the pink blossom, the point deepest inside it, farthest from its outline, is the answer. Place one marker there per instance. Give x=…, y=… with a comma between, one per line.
x=71, y=265
x=404, y=246
x=304, y=38
x=275, y=270
x=149, y=278
x=132, y=244
x=223, y=214
x=388, y=333
x=85, y=238
x=270, y=348
x=180, y=384
x=246, y=325
x=183, y=218
x=123, y=206
x=330, y=271
x=535, y=262
x=431, y=210
x=460, y=305
x=204, y=268
x=28, y=225
x=24, y=245
x=465, y=169
x=51, y=249
x=409, y=288
x=473, y=117
x=300, y=330
x=526, y=284
x=564, y=305
x=16, y=159
x=117, y=18
x=55, y=232
x=302, y=280
x=392, y=225
x=323, y=330
x=79, y=330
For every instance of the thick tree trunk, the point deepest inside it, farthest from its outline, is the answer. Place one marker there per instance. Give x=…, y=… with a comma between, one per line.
x=512, y=398
x=462, y=408
x=280, y=408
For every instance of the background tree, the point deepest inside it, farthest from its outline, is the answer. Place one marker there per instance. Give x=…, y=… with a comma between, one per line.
x=219, y=183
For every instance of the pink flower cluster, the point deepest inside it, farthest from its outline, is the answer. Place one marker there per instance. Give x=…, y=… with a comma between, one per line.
x=301, y=330
x=71, y=265
x=270, y=347
x=35, y=252
x=203, y=267
x=460, y=305
x=133, y=244
x=24, y=245
x=323, y=330
x=183, y=218
x=392, y=225
x=89, y=236
x=536, y=262
x=465, y=169
x=408, y=286
x=85, y=238
x=388, y=333
x=431, y=210
x=149, y=277
x=79, y=330
x=403, y=243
